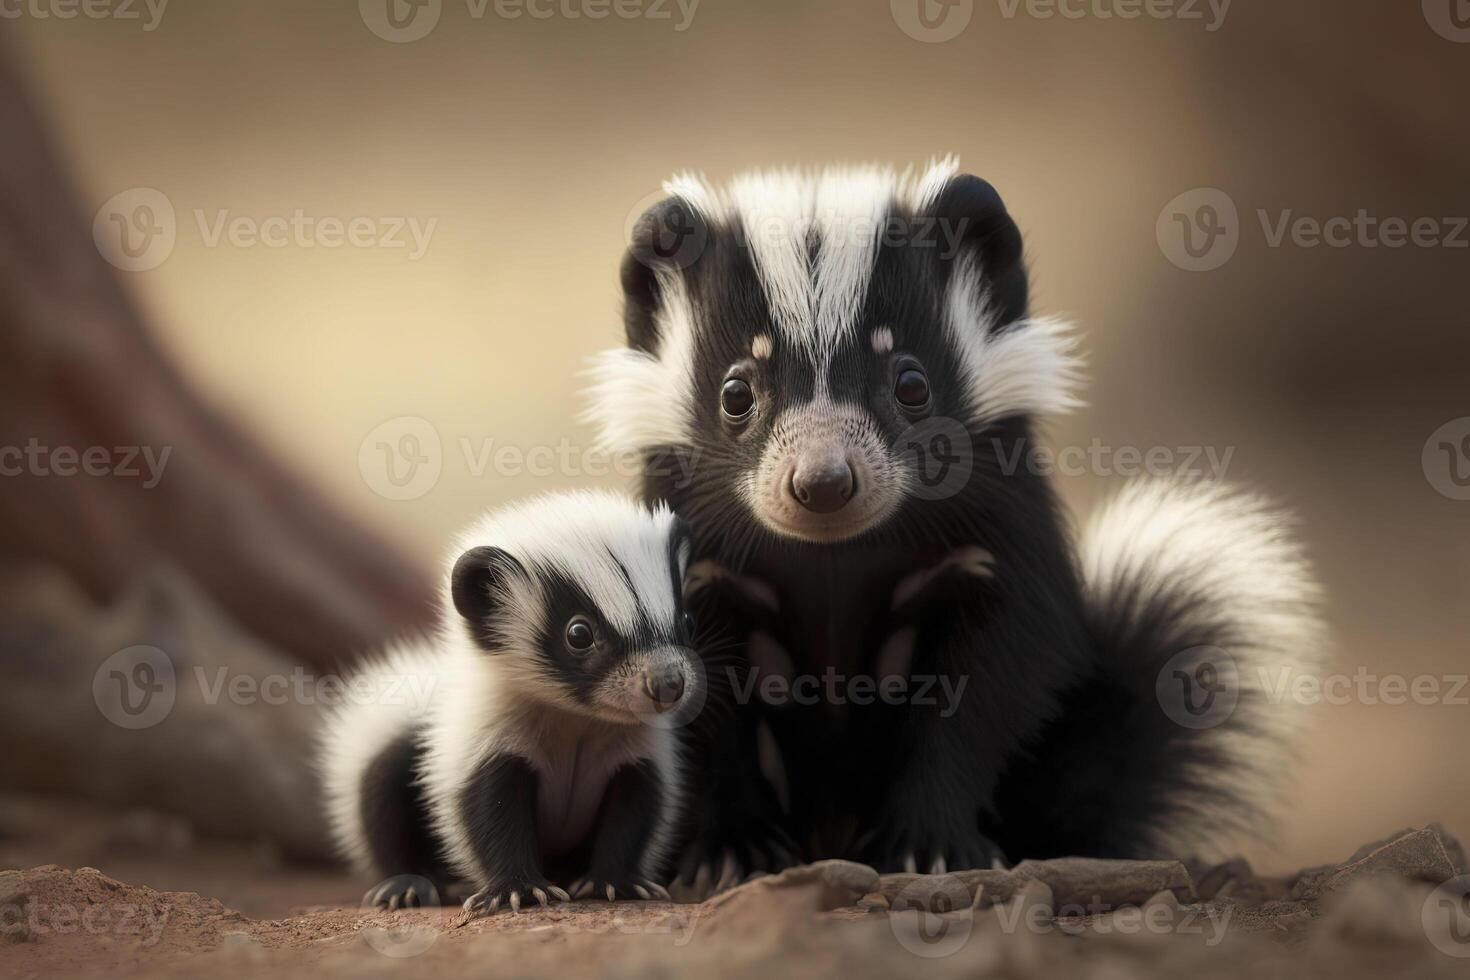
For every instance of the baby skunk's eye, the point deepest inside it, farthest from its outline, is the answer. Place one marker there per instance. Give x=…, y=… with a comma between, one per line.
x=912, y=387
x=580, y=635
x=688, y=624
x=736, y=399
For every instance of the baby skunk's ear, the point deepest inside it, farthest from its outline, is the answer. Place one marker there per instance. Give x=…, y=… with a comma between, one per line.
x=666, y=240
x=478, y=582
x=971, y=210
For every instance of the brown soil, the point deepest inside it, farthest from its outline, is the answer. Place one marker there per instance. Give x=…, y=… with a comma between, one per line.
x=1378, y=913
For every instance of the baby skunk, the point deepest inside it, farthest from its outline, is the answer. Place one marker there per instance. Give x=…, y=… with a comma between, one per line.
x=543, y=744
x=851, y=357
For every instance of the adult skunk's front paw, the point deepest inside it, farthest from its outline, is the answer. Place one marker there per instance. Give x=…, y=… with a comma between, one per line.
x=725, y=855
x=897, y=848
x=614, y=887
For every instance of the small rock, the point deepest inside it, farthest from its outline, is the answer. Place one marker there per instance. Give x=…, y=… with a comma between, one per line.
x=771, y=906
x=1452, y=848
x=1419, y=856
x=995, y=885
x=1093, y=885
x=838, y=884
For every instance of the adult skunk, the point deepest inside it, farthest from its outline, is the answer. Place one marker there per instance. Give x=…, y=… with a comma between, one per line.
x=835, y=379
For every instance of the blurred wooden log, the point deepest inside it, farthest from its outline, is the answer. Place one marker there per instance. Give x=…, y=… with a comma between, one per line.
x=79, y=370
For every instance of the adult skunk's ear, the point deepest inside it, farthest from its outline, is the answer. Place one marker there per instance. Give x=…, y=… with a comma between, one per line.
x=666, y=239
x=681, y=546
x=970, y=210
x=477, y=585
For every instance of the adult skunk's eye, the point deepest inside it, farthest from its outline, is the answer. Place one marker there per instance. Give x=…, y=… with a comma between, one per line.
x=580, y=635
x=736, y=399
x=912, y=388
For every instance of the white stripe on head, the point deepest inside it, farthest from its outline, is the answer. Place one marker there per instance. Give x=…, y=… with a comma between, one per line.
x=592, y=538
x=783, y=213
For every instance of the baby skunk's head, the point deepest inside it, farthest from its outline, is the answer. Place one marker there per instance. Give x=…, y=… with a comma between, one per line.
x=577, y=599
x=797, y=343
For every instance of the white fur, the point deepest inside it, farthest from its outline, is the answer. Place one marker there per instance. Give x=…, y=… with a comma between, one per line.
x=639, y=400
x=1231, y=559
x=1029, y=368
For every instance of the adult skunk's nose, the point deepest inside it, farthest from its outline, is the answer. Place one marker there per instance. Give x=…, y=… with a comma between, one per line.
x=822, y=483
x=664, y=686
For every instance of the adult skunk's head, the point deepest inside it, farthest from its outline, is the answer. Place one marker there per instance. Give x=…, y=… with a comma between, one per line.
x=576, y=599
x=811, y=347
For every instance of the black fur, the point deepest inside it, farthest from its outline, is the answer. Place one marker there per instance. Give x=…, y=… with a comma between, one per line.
x=395, y=816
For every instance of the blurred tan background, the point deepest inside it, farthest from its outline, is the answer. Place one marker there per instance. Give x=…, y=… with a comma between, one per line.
x=531, y=142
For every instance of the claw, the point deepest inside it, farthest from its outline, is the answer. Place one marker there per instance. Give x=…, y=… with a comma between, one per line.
x=642, y=893
x=729, y=873
x=560, y=893
x=939, y=866
x=540, y=896
x=703, y=880
x=612, y=893
x=515, y=902
x=910, y=865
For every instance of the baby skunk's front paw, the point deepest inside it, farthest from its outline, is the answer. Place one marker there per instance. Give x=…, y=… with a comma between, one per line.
x=613, y=887
x=401, y=892
x=513, y=893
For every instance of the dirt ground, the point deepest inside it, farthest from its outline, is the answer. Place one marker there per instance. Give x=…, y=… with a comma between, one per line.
x=95, y=894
